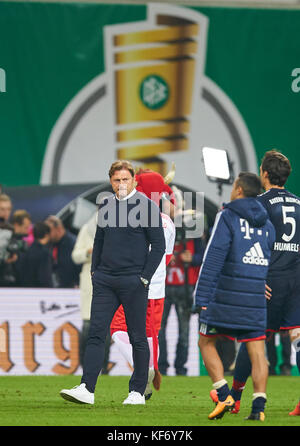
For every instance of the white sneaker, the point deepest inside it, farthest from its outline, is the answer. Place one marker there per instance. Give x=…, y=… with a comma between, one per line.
x=148, y=390
x=134, y=398
x=79, y=394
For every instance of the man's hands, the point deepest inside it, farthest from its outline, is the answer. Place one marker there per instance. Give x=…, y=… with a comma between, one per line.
x=144, y=281
x=197, y=309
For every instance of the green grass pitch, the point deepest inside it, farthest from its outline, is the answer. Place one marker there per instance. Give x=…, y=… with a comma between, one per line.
x=181, y=401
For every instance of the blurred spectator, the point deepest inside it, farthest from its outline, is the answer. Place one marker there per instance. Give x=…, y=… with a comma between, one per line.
x=12, y=244
x=21, y=221
x=36, y=263
x=82, y=255
x=182, y=275
x=7, y=257
x=5, y=207
x=66, y=272
x=23, y=227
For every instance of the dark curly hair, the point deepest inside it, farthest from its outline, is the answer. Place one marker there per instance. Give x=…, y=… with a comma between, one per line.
x=250, y=183
x=277, y=166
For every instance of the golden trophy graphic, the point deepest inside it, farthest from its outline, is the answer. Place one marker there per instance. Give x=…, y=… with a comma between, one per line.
x=153, y=67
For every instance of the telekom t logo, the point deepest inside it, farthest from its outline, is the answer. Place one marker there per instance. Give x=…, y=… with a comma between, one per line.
x=245, y=227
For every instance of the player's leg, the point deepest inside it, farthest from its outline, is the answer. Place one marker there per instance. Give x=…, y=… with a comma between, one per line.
x=121, y=340
x=211, y=358
x=295, y=341
x=83, y=338
x=259, y=373
x=120, y=336
x=134, y=298
x=215, y=370
x=163, y=363
x=291, y=316
x=153, y=324
x=104, y=305
x=243, y=365
x=242, y=372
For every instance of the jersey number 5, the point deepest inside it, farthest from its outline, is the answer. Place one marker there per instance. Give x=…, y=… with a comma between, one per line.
x=290, y=220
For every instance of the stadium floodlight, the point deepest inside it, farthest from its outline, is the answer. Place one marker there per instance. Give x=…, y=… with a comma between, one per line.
x=216, y=164
x=218, y=167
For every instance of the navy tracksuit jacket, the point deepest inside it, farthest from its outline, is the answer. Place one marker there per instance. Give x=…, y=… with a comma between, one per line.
x=231, y=281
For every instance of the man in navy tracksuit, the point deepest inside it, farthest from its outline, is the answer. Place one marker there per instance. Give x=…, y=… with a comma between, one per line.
x=122, y=267
x=231, y=288
x=283, y=309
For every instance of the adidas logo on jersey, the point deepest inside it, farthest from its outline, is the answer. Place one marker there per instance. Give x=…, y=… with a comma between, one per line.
x=255, y=256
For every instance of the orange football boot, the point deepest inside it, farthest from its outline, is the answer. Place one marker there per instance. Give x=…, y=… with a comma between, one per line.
x=221, y=408
x=296, y=411
x=214, y=397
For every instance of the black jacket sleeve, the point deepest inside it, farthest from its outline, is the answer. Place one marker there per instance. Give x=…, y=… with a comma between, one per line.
x=155, y=235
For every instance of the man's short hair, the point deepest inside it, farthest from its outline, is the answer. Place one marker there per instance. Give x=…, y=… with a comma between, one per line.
x=19, y=216
x=5, y=197
x=277, y=166
x=120, y=165
x=250, y=184
x=40, y=230
x=54, y=221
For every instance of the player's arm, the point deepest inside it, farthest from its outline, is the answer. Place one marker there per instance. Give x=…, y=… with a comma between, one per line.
x=170, y=234
x=271, y=240
x=156, y=238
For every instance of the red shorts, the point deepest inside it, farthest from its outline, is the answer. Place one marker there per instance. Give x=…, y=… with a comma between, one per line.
x=154, y=314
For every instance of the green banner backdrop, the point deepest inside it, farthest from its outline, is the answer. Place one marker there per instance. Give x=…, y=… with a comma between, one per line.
x=50, y=52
